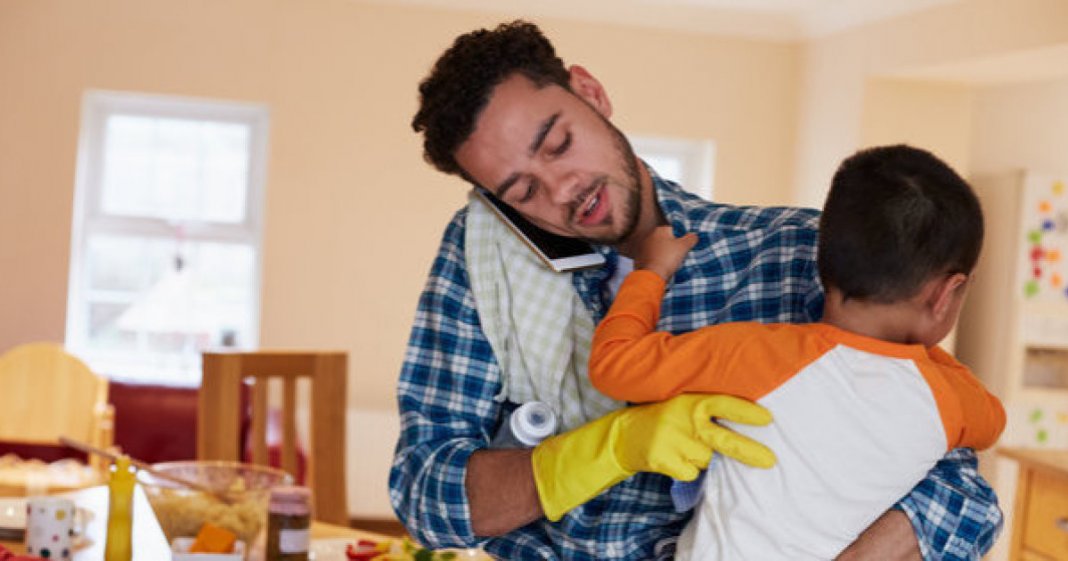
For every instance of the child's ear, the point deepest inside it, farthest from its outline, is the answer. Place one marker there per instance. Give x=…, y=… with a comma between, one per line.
x=943, y=293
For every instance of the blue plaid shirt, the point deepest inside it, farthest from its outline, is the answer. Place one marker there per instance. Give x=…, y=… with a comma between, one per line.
x=749, y=264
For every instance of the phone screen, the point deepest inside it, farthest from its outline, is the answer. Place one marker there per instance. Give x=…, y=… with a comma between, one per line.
x=554, y=246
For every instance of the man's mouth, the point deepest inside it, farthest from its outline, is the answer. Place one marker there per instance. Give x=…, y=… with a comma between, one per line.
x=592, y=210
x=591, y=204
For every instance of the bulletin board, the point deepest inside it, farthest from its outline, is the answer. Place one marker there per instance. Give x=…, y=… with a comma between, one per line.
x=1045, y=231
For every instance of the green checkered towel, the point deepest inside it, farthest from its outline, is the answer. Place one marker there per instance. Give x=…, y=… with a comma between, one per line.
x=536, y=323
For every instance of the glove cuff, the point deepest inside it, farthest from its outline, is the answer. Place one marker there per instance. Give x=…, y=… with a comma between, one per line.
x=574, y=467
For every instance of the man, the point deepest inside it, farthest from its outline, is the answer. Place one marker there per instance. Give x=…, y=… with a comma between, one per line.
x=500, y=110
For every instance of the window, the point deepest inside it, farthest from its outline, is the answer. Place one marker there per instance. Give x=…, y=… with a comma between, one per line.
x=165, y=252
x=686, y=162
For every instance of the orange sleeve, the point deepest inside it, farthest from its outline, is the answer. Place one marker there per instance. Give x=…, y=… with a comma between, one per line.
x=632, y=362
x=972, y=416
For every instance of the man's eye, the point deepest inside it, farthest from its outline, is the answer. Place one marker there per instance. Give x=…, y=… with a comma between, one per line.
x=563, y=145
x=528, y=193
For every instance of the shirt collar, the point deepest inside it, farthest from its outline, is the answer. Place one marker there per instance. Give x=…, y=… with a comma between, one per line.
x=673, y=202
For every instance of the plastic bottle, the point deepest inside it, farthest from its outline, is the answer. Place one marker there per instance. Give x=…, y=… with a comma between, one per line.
x=528, y=425
x=118, y=546
x=288, y=520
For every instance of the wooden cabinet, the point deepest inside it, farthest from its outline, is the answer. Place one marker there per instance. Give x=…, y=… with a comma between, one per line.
x=1040, y=530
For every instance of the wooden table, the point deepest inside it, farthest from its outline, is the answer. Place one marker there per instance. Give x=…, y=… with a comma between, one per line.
x=1040, y=526
x=149, y=543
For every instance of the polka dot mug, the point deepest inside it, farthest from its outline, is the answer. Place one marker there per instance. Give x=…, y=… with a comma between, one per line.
x=49, y=527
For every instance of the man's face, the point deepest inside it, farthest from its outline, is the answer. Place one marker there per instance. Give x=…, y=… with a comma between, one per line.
x=555, y=159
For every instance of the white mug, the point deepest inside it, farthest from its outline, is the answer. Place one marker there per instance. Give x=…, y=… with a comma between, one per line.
x=49, y=527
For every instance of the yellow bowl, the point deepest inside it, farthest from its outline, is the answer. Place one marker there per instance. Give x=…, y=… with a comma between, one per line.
x=182, y=511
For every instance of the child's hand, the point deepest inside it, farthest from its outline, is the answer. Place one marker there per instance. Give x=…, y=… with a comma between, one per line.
x=662, y=253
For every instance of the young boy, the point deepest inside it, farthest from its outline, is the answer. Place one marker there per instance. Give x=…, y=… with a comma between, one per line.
x=864, y=401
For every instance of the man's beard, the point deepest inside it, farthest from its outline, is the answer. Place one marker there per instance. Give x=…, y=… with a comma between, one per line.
x=633, y=202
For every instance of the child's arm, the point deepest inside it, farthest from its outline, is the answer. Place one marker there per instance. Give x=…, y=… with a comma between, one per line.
x=982, y=417
x=625, y=353
x=632, y=362
x=628, y=360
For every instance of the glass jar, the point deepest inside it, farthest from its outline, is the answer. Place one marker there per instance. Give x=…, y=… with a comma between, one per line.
x=288, y=519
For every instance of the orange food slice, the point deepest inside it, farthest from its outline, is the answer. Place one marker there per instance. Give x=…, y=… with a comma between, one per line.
x=213, y=539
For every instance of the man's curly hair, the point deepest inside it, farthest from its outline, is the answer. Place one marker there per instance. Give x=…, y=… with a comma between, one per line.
x=458, y=88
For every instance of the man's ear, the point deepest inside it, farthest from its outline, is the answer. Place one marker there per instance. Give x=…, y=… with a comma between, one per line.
x=584, y=85
x=940, y=301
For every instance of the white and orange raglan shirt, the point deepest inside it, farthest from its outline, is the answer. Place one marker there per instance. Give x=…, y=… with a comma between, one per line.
x=858, y=421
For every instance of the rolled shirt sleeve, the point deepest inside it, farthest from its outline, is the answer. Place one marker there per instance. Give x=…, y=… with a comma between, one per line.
x=445, y=396
x=954, y=511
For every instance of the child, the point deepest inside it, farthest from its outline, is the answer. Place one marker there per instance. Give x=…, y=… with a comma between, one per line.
x=864, y=402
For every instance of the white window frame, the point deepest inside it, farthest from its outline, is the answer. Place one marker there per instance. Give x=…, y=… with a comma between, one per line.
x=698, y=159
x=88, y=220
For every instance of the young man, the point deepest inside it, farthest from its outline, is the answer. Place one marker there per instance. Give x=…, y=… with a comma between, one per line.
x=501, y=110
x=865, y=403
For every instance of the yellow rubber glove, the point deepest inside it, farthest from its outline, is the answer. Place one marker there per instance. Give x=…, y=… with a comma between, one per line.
x=675, y=437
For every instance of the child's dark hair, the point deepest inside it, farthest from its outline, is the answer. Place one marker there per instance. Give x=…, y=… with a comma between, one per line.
x=895, y=217
x=454, y=94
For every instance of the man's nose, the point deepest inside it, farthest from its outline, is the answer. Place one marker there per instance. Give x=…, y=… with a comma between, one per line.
x=564, y=187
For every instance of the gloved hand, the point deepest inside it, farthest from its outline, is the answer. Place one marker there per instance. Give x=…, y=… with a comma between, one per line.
x=675, y=437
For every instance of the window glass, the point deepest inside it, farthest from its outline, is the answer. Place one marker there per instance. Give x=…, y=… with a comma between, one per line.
x=175, y=169
x=690, y=163
x=164, y=262
x=667, y=166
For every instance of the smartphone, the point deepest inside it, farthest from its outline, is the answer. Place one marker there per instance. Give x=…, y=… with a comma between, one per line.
x=560, y=253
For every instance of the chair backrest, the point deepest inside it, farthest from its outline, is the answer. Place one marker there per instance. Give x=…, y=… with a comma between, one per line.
x=219, y=416
x=46, y=393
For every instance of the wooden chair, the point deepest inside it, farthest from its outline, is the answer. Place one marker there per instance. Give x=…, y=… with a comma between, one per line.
x=46, y=392
x=219, y=417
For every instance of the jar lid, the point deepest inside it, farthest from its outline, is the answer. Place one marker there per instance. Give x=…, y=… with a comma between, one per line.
x=289, y=496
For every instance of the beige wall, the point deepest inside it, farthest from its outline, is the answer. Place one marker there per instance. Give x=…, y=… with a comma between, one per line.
x=836, y=71
x=928, y=114
x=1021, y=126
x=353, y=216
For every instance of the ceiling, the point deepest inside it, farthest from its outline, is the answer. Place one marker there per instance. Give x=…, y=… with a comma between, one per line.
x=776, y=20
x=785, y=20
